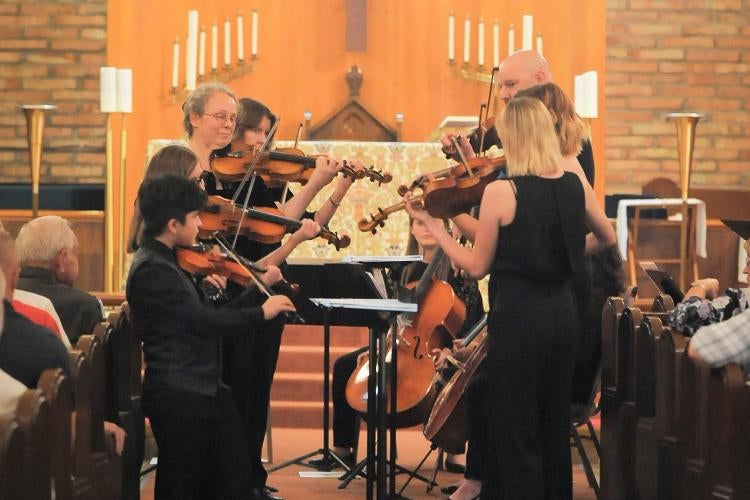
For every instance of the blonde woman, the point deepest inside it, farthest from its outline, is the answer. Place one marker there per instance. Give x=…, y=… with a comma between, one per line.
x=531, y=240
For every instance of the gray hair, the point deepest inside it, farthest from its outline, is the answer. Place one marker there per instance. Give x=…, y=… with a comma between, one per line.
x=195, y=104
x=41, y=239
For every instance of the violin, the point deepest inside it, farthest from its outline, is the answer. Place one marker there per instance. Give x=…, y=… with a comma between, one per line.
x=283, y=165
x=263, y=224
x=204, y=259
x=378, y=220
x=456, y=189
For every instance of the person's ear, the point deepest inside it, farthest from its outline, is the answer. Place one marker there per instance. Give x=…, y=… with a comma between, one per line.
x=172, y=226
x=194, y=118
x=62, y=256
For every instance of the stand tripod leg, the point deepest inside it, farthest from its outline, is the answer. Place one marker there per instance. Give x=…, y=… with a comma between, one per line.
x=357, y=470
x=413, y=474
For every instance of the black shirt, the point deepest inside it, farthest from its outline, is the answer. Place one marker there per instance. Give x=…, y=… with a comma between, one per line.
x=79, y=311
x=27, y=349
x=181, y=332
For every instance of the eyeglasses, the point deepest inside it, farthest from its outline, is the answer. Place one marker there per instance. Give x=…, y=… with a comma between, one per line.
x=223, y=118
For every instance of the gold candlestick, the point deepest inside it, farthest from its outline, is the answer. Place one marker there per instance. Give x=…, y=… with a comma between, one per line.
x=121, y=223
x=685, y=124
x=109, y=214
x=35, y=137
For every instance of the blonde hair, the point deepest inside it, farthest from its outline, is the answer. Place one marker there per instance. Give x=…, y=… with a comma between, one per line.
x=568, y=125
x=41, y=239
x=529, y=140
x=195, y=104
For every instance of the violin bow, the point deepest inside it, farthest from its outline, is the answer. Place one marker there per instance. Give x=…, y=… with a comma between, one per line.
x=251, y=171
x=286, y=184
x=462, y=156
x=487, y=109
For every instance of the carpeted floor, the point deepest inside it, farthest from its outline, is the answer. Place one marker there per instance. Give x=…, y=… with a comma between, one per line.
x=290, y=443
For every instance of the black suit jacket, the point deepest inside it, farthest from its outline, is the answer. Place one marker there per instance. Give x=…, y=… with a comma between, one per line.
x=79, y=311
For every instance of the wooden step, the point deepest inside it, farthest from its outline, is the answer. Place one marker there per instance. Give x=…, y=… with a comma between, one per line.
x=312, y=335
x=303, y=358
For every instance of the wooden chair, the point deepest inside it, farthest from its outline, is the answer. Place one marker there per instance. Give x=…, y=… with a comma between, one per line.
x=57, y=389
x=12, y=484
x=692, y=425
x=33, y=417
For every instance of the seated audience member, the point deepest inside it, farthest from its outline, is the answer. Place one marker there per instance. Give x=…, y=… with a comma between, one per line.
x=703, y=305
x=722, y=343
x=48, y=249
x=10, y=388
x=11, y=268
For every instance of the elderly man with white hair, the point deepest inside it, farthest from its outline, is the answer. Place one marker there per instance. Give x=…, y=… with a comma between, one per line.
x=48, y=248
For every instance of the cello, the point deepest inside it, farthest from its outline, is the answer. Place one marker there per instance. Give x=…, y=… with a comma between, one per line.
x=446, y=426
x=440, y=317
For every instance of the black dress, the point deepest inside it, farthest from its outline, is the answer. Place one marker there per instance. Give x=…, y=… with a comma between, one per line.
x=532, y=328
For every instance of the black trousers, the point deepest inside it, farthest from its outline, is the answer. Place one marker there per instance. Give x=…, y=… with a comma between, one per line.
x=477, y=411
x=530, y=357
x=345, y=424
x=249, y=366
x=201, y=458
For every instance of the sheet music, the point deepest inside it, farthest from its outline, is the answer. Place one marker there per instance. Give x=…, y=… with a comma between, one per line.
x=391, y=305
x=378, y=282
x=381, y=258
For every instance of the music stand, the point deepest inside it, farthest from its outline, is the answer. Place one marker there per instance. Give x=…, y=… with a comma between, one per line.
x=332, y=280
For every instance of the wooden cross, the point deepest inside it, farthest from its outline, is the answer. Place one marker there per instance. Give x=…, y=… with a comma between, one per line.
x=356, y=25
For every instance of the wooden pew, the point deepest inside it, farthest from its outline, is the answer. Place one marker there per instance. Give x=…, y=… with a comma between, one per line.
x=670, y=347
x=105, y=466
x=124, y=404
x=82, y=485
x=729, y=450
x=610, y=398
x=12, y=483
x=33, y=417
x=57, y=389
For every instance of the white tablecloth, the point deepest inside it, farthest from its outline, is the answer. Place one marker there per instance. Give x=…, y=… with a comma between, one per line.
x=622, y=220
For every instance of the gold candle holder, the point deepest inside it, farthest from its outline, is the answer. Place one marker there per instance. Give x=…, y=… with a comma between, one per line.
x=685, y=124
x=35, y=137
x=121, y=214
x=109, y=214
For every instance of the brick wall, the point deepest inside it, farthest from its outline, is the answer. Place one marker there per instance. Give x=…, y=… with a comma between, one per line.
x=677, y=55
x=50, y=52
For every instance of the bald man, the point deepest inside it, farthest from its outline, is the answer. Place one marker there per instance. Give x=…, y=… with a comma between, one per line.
x=520, y=70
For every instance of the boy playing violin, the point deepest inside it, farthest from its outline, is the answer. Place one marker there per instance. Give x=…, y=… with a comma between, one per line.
x=192, y=414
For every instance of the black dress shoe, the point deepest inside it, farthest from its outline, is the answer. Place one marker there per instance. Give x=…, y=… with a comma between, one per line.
x=329, y=463
x=271, y=489
x=449, y=490
x=455, y=468
x=263, y=494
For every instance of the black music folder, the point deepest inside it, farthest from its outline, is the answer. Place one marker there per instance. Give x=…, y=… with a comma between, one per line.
x=663, y=281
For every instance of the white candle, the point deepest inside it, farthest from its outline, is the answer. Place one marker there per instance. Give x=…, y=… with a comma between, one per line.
x=202, y=53
x=496, y=45
x=480, y=43
x=227, y=42
x=191, y=51
x=175, y=63
x=539, y=43
x=578, y=95
x=451, y=38
x=124, y=90
x=511, y=39
x=467, y=39
x=107, y=89
x=590, y=94
x=254, y=44
x=528, y=32
x=214, y=47
x=240, y=38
